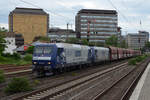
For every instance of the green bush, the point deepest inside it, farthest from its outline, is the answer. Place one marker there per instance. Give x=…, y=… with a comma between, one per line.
x=28, y=57
x=17, y=85
x=30, y=50
x=15, y=59
x=6, y=54
x=2, y=77
x=139, y=58
x=132, y=61
x=14, y=55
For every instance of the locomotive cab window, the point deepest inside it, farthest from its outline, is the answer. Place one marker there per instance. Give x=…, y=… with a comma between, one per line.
x=47, y=50
x=38, y=50
x=43, y=50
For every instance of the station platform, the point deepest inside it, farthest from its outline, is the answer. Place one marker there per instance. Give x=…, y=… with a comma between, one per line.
x=142, y=90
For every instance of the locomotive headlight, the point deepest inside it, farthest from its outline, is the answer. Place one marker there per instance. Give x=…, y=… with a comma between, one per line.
x=34, y=62
x=49, y=63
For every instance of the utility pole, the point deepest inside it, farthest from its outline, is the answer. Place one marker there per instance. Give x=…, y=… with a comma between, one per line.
x=88, y=32
x=139, y=40
x=88, y=35
x=67, y=30
x=71, y=26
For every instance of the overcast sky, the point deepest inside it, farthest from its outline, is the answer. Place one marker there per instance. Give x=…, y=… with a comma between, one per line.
x=61, y=12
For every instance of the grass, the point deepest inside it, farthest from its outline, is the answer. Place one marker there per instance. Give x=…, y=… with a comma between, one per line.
x=2, y=77
x=138, y=59
x=74, y=74
x=132, y=61
x=28, y=57
x=35, y=82
x=11, y=60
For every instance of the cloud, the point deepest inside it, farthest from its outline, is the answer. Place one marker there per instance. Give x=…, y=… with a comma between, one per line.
x=130, y=12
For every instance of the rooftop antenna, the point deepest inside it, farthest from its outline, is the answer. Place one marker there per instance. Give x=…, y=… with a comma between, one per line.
x=140, y=24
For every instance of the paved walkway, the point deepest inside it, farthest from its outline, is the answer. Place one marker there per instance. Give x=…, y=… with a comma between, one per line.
x=142, y=90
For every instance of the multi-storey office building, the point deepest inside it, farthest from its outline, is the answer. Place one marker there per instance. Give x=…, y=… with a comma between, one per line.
x=96, y=25
x=145, y=33
x=136, y=41
x=30, y=22
x=57, y=34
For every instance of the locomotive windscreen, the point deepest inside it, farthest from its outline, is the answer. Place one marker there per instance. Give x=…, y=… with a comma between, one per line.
x=43, y=50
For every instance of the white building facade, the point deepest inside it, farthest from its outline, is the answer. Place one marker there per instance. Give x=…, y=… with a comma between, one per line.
x=10, y=45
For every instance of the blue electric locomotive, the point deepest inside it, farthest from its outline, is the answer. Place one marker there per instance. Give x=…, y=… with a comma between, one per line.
x=51, y=58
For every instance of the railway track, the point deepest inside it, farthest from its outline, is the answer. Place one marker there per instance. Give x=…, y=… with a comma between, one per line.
x=10, y=72
x=18, y=73
x=10, y=75
x=55, y=80
x=11, y=68
x=53, y=93
x=80, y=92
x=13, y=71
x=123, y=87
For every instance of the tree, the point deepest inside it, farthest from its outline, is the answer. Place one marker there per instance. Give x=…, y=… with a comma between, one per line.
x=147, y=44
x=2, y=40
x=84, y=42
x=146, y=47
x=42, y=38
x=30, y=50
x=123, y=44
x=112, y=41
x=72, y=40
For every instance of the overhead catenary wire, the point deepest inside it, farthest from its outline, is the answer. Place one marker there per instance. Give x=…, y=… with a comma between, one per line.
x=46, y=9
x=133, y=17
x=53, y=13
x=123, y=16
x=117, y=10
x=70, y=8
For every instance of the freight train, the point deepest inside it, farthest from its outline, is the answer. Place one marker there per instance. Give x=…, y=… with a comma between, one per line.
x=53, y=58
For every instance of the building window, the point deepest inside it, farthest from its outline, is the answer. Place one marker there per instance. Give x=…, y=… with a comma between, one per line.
x=111, y=17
